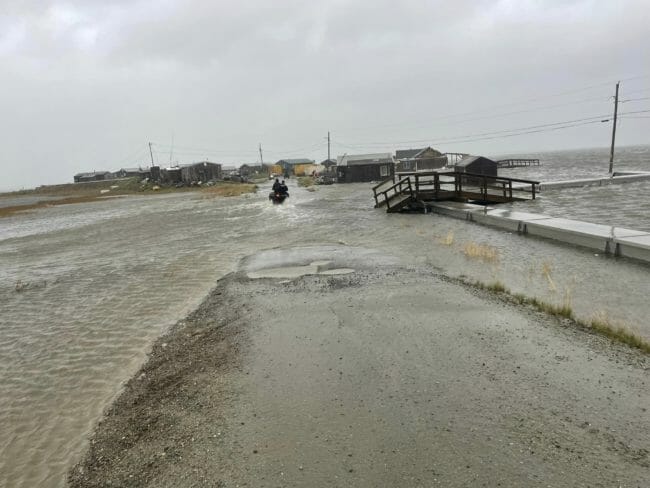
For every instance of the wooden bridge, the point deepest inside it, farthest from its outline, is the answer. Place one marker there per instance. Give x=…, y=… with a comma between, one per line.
x=517, y=163
x=413, y=190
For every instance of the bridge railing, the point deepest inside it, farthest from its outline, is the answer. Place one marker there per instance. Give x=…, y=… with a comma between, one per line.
x=383, y=194
x=472, y=185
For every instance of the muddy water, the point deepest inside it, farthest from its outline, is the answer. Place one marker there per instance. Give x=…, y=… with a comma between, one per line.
x=84, y=289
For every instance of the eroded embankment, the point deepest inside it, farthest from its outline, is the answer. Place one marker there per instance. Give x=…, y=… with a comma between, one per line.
x=382, y=377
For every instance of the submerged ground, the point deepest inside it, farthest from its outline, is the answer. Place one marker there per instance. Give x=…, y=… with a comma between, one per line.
x=382, y=376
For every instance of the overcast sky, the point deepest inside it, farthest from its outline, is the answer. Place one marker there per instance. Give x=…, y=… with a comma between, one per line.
x=86, y=84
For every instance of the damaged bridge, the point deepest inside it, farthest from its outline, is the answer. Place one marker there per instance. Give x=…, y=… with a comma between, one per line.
x=415, y=190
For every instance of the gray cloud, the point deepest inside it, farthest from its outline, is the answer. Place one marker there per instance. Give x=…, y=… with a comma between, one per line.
x=88, y=83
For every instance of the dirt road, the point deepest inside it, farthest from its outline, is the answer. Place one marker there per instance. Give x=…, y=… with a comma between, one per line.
x=380, y=376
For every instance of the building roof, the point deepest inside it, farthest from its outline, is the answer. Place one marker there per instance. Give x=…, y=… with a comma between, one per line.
x=134, y=170
x=407, y=153
x=413, y=153
x=92, y=173
x=362, y=159
x=328, y=162
x=463, y=163
x=292, y=162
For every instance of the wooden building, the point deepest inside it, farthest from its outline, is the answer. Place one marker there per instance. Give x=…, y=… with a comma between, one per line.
x=479, y=165
x=289, y=164
x=425, y=159
x=93, y=176
x=356, y=168
x=200, y=172
x=139, y=172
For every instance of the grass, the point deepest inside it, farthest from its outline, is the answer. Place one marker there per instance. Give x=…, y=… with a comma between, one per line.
x=448, y=240
x=482, y=252
x=228, y=190
x=97, y=191
x=305, y=181
x=598, y=324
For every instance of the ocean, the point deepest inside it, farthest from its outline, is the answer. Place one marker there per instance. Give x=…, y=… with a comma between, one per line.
x=85, y=289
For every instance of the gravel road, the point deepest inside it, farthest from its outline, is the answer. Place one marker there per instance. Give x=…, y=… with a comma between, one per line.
x=381, y=376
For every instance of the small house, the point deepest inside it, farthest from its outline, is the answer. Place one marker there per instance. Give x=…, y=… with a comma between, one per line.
x=356, y=168
x=93, y=176
x=248, y=170
x=419, y=159
x=200, y=172
x=478, y=165
x=288, y=165
x=139, y=172
x=329, y=165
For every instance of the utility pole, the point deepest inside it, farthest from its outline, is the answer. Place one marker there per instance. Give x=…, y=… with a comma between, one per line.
x=171, y=151
x=151, y=153
x=611, y=154
x=328, y=145
x=261, y=158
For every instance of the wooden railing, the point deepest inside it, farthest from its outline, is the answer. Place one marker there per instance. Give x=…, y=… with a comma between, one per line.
x=400, y=188
x=434, y=185
x=516, y=163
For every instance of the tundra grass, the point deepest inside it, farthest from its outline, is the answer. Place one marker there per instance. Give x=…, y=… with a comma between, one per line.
x=91, y=192
x=598, y=325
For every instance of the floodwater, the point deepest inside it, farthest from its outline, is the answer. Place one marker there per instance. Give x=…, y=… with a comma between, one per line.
x=622, y=205
x=85, y=289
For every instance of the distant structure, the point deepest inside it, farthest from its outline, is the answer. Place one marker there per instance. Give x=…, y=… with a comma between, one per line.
x=329, y=165
x=357, y=168
x=200, y=172
x=288, y=165
x=423, y=159
x=93, y=176
x=139, y=172
x=479, y=165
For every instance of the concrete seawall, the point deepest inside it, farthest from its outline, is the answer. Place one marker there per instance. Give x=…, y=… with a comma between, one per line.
x=617, y=241
x=618, y=178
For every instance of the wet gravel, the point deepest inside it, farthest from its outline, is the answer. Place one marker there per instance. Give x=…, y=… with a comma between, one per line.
x=389, y=376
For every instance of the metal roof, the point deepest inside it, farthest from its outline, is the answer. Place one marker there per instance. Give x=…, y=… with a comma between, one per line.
x=359, y=159
x=296, y=161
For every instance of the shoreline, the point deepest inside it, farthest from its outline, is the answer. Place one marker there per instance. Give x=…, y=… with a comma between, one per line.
x=220, y=370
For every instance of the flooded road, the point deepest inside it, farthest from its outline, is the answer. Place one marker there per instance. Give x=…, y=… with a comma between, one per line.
x=85, y=289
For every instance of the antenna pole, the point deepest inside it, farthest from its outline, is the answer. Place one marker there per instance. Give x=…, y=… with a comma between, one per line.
x=261, y=158
x=151, y=153
x=611, y=153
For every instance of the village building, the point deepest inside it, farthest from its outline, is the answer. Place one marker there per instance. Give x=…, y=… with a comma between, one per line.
x=425, y=159
x=200, y=172
x=288, y=165
x=478, y=165
x=329, y=165
x=228, y=171
x=93, y=176
x=139, y=172
x=251, y=170
x=356, y=168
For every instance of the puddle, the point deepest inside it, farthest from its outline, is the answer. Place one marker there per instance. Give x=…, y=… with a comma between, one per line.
x=292, y=272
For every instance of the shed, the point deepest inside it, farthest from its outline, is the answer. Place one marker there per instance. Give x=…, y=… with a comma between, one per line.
x=356, y=168
x=479, y=165
x=93, y=176
x=202, y=171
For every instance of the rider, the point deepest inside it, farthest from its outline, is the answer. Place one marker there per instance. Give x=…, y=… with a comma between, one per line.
x=284, y=190
x=277, y=186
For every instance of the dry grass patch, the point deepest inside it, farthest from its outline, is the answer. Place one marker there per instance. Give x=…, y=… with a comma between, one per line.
x=482, y=252
x=228, y=190
x=448, y=240
x=7, y=211
x=599, y=324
